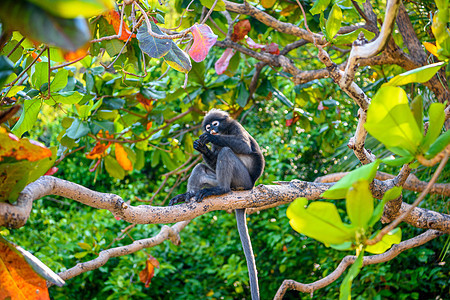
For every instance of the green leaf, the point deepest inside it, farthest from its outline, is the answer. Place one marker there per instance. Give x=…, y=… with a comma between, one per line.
x=320, y=221
x=28, y=117
x=392, y=237
x=178, y=59
x=398, y=161
x=389, y=195
x=339, y=190
x=6, y=68
x=319, y=6
x=152, y=46
x=40, y=75
x=359, y=204
x=334, y=21
x=346, y=285
x=441, y=142
x=67, y=97
x=416, y=107
x=220, y=5
x=422, y=74
x=43, y=26
x=390, y=121
x=77, y=129
x=197, y=74
x=59, y=81
x=113, y=168
x=350, y=37
x=74, y=8
x=242, y=94
x=437, y=118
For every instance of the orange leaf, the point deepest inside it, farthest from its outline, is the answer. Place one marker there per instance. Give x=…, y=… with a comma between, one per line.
x=431, y=48
x=76, y=55
x=122, y=158
x=146, y=102
x=146, y=275
x=113, y=18
x=17, y=279
x=11, y=146
x=98, y=151
x=240, y=30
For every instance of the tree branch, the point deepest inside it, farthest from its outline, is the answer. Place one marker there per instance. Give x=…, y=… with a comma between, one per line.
x=348, y=260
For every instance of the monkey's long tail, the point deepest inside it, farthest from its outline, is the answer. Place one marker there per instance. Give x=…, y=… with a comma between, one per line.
x=248, y=251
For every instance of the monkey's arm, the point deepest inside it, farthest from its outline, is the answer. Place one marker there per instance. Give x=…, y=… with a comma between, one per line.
x=239, y=144
x=209, y=156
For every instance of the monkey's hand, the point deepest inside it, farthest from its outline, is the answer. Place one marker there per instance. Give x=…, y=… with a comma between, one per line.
x=200, y=146
x=180, y=198
x=204, y=138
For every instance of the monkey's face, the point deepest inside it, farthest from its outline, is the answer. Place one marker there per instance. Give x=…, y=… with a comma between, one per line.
x=213, y=127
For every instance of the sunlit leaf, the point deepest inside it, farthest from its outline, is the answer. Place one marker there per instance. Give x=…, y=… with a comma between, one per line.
x=28, y=117
x=359, y=203
x=334, y=21
x=178, y=59
x=220, y=5
x=320, y=221
x=19, y=149
x=389, y=195
x=346, y=285
x=340, y=188
x=319, y=6
x=40, y=25
x=74, y=8
x=441, y=142
x=59, y=81
x=390, y=121
x=437, y=118
x=268, y=3
x=422, y=74
x=392, y=237
x=350, y=37
x=67, y=97
x=204, y=39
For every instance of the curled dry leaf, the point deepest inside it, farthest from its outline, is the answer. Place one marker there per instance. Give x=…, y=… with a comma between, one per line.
x=204, y=39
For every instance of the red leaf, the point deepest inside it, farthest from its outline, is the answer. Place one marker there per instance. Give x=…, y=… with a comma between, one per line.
x=113, y=18
x=272, y=48
x=240, y=30
x=146, y=102
x=222, y=63
x=204, y=39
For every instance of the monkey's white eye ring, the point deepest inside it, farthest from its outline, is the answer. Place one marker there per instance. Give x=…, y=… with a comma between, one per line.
x=215, y=123
x=207, y=127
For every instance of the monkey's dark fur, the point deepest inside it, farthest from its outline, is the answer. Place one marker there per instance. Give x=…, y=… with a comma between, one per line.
x=234, y=162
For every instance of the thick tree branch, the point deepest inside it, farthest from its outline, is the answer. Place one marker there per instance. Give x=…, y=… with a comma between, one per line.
x=349, y=260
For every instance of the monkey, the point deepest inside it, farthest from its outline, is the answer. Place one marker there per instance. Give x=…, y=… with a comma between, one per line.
x=234, y=161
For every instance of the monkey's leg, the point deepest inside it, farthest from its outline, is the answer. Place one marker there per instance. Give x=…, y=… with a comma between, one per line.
x=231, y=173
x=200, y=177
x=248, y=251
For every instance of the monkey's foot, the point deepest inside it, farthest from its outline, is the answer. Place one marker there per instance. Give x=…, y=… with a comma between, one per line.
x=200, y=195
x=181, y=198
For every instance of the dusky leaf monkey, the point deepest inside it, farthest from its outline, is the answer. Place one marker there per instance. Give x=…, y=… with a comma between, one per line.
x=234, y=161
